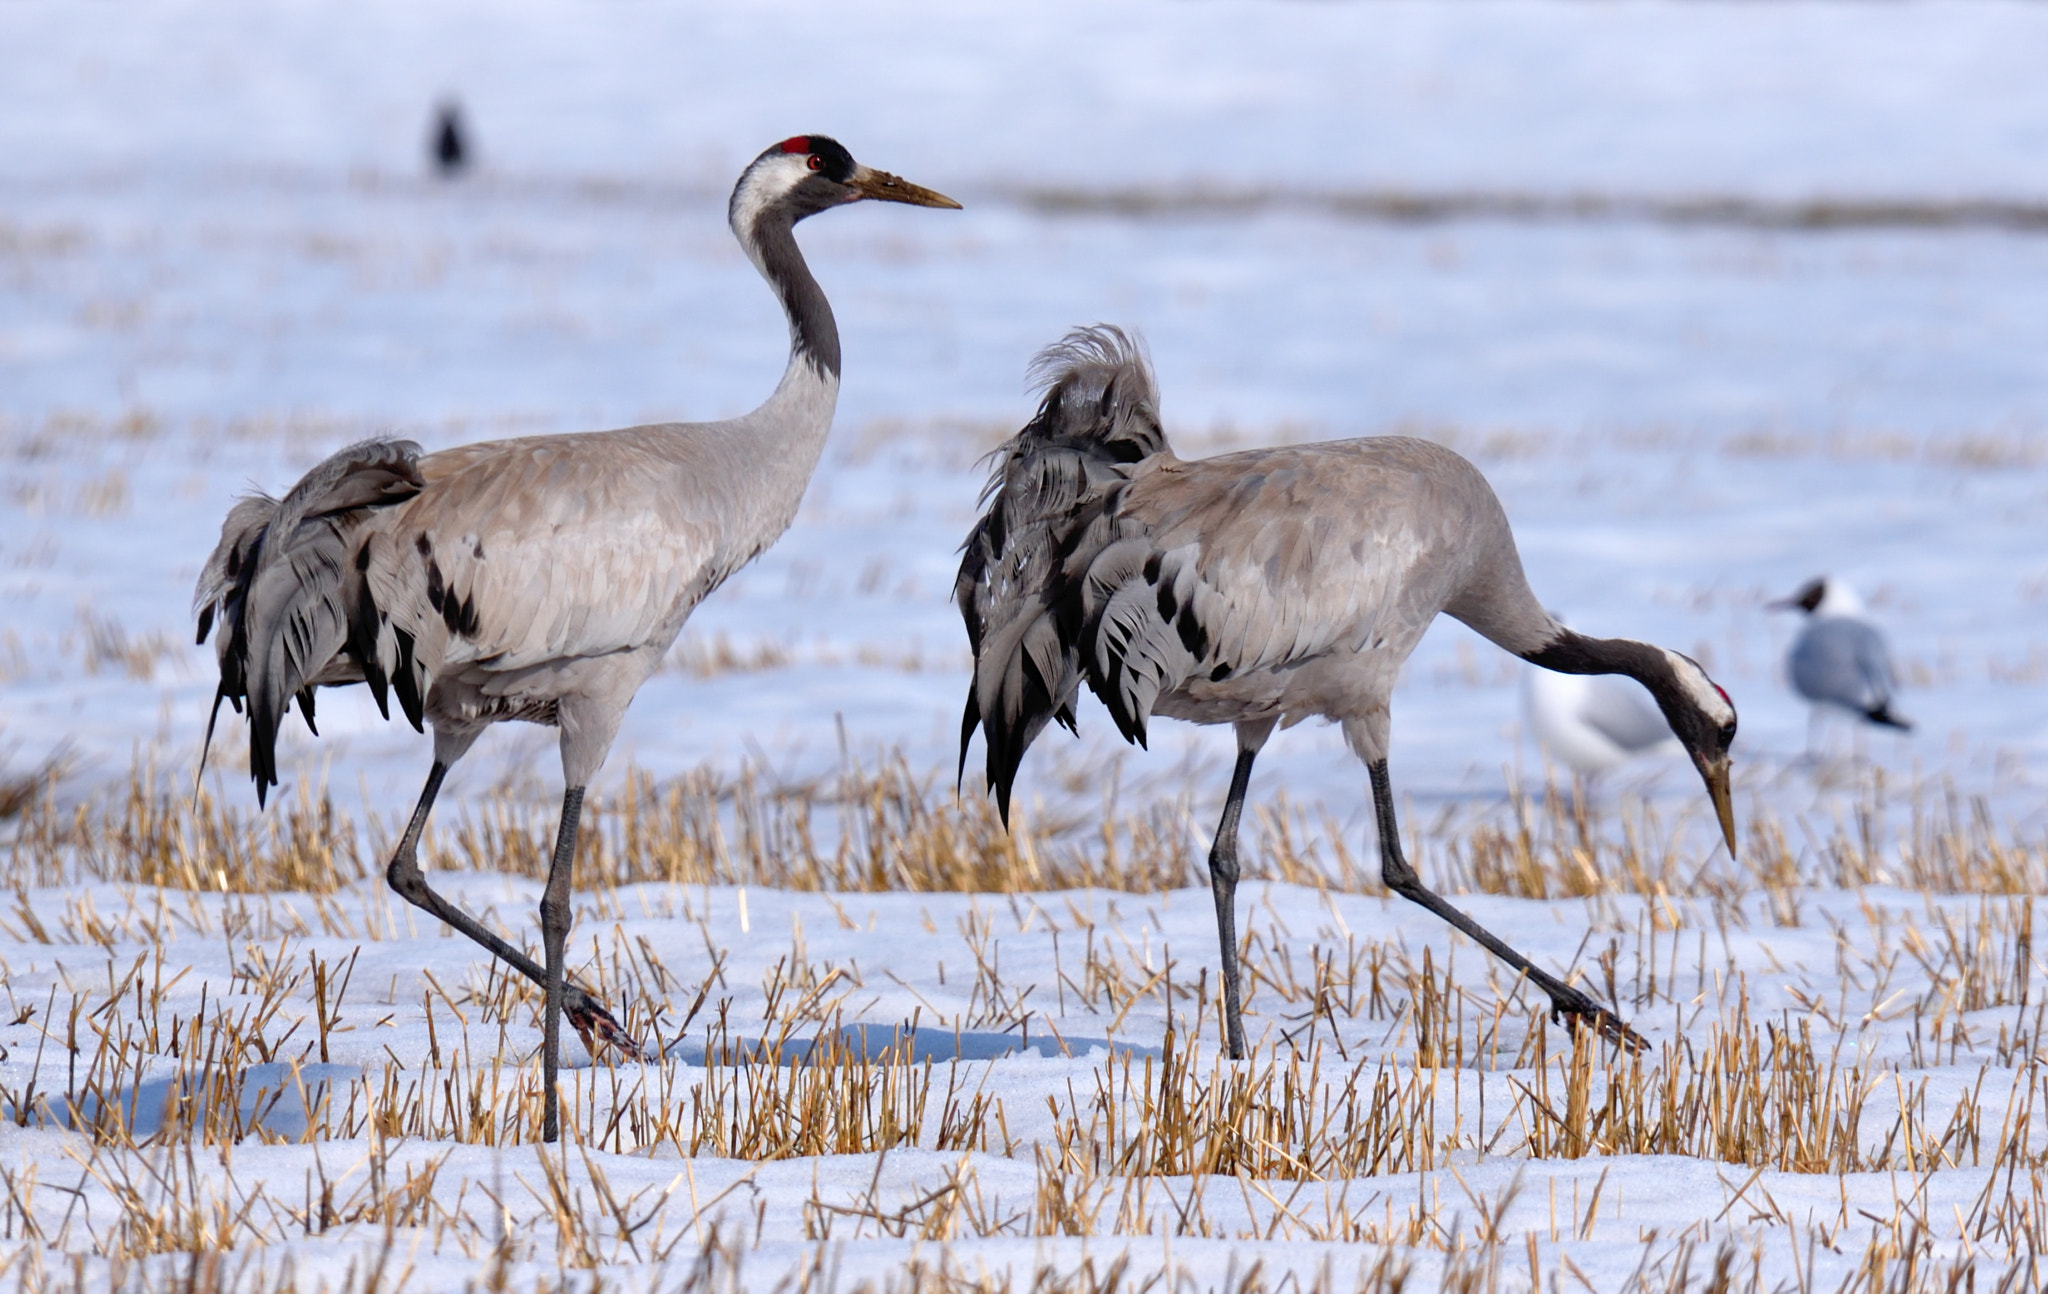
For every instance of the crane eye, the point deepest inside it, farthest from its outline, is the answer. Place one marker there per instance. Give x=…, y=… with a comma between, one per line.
x=813, y=162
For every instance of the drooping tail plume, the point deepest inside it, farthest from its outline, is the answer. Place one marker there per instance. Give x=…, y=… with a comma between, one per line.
x=1050, y=510
x=285, y=583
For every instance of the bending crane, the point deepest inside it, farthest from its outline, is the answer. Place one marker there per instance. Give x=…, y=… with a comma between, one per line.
x=1256, y=589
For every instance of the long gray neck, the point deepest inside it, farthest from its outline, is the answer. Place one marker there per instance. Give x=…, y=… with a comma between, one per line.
x=1495, y=599
x=813, y=334
x=1493, y=594
x=1498, y=603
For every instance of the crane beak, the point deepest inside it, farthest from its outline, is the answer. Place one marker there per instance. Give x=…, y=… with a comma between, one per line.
x=1715, y=771
x=884, y=187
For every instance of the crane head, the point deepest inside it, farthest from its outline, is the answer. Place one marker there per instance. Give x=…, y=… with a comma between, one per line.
x=806, y=174
x=1703, y=719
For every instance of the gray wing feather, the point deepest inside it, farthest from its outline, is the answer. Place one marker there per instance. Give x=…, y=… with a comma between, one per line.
x=1839, y=661
x=1143, y=615
x=1875, y=659
x=280, y=583
x=1137, y=650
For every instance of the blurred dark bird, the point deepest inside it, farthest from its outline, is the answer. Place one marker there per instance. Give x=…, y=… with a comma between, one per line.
x=450, y=145
x=1257, y=589
x=1840, y=660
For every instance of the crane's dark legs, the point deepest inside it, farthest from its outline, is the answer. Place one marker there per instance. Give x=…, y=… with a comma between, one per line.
x=1223, y=873
x=555, y=916
x=595, y=1025
x=1402, y=880
x=405, y=877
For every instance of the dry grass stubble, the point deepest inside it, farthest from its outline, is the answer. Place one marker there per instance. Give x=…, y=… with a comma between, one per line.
x=1179, y=1143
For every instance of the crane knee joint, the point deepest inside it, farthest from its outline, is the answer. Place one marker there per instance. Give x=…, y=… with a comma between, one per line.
x=404, y=876
x=554, y=913
x=1223, y=867
x=1402, y=880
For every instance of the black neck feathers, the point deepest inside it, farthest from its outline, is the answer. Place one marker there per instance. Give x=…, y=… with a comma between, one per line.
x=812, y=331
x=1575, y=653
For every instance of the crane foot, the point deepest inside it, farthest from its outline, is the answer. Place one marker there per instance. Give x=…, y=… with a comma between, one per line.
x=602, y=1034
x=1582, y=1010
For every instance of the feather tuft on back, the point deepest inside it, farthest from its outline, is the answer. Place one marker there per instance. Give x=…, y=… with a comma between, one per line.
x=1050, y=511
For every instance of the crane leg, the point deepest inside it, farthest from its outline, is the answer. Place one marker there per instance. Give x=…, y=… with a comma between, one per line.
x=1403, y=880
x=1223, y=874
x=555, y=916
x=588, y=1016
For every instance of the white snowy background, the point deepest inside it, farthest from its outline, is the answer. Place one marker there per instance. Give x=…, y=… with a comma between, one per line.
x=221, y=257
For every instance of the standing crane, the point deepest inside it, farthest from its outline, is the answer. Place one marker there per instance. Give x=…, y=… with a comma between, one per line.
x=1257, y=589
x=540, y=579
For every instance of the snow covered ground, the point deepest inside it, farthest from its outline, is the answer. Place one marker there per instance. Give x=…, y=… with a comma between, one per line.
x=220, y=259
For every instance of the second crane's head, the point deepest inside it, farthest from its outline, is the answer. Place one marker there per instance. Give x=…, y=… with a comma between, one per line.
x=1703, y=719
x=806, y=174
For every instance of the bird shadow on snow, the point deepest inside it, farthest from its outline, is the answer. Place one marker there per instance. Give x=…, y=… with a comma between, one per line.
x=288, y=1100
x=898, y=1044
x=283, y=1100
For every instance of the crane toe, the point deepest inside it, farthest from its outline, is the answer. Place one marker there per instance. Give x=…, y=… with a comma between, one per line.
x=602, y=1034
x=1579, y=1009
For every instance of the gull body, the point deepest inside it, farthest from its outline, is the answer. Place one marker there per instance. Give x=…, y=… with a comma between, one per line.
x=1255, y=589
x=540, y=579
x=1840, y=660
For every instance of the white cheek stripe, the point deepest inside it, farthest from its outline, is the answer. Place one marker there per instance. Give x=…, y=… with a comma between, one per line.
x=765, y=182
x=1700, y=688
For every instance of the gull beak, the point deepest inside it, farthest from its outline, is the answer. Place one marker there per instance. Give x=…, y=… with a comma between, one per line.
x=1715, y=771
x=884, y=187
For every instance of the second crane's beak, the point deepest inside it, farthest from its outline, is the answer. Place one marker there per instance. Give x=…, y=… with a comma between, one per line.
x=884, y=187
x=1714, y=769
